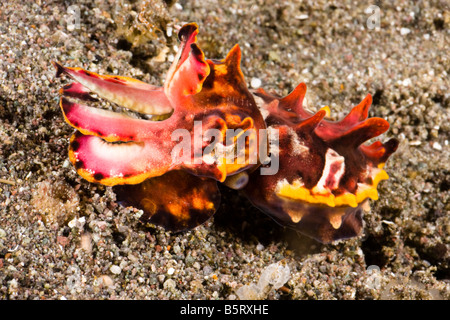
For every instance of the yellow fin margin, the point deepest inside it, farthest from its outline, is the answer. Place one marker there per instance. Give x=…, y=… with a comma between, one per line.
x=297, y=191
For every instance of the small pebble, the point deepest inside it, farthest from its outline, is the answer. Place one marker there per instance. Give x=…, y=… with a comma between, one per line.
x=115, y=269
x=169, y=284
x=302, y=17
x=86, y=242
x=66, y=163
x=77, y=222
x=255, y=83
x=407, y=82
x=404, y=31
x=437, y=146
x=107, y=281
x=169, y=31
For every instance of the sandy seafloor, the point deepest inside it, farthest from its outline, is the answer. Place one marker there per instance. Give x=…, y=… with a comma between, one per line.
x=64, y=238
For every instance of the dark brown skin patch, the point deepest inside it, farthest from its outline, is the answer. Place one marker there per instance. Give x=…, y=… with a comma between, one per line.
x=75, y=124
x=196, y=52
x=209, y=81
x=115, y=80
x=71, y=91
x=186, y=31
x=176, y=200
x=74, y=145
x=98, y=133
x=79, y=165
x=99, y=176
x=89, y=74
x=59, y=68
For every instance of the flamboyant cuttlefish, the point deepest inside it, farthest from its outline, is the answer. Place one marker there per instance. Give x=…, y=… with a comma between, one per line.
x=211, y=129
